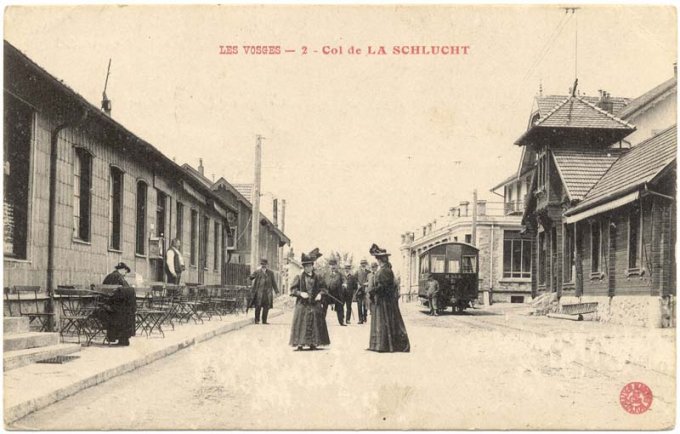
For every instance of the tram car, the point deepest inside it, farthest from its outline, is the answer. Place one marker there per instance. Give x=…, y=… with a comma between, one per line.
x=455, y=266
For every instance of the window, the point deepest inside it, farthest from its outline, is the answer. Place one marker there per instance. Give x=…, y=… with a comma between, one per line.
x=161, y=201
x=516, y=255
x=18, y=119
x=140, y=226
x=437, y=263
x=634, y=238
x=542, y=257
x=194, y=236
x=180, y=222
x=424, y=264
x=469, y=264
x=542, y=169
x=468, y=238
x=231, y=237
x=216, y=247
x=115, y=207
x=595, y=247
x=569, y=253
x=454, y=266
x=82, y=184
x=204, y=242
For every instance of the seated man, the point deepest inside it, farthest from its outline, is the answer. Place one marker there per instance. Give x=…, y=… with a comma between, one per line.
x=122, y=307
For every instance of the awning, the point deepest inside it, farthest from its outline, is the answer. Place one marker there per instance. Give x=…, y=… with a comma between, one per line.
x=607, y=206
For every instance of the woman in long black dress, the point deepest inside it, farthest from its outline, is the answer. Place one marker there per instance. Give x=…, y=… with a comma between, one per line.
x=388, y=332
x=309, y=323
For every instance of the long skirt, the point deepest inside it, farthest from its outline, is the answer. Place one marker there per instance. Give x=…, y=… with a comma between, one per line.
x=388, y=332
x=309, y=326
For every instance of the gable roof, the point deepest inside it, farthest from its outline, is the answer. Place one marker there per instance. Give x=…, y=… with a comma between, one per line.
x=581, y=168
x=246, y=190
x=639, y=166
x=577, y=112
x=545, y=104
x=641, y=102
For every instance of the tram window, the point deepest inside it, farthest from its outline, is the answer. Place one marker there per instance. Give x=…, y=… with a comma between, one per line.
x=469, y=264
x=454, y=266
x=437, y=265
x=424, y=265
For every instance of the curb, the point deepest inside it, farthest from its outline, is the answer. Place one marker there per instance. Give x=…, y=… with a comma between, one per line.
x=18, y=411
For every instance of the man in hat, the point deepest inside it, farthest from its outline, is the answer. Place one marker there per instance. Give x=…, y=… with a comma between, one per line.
x=263, y=287
x=349, y=291
x=119, y=317
x=432, y=294
x=334, y=283
x=362, y=290
x=174, y=262
x=370, y=285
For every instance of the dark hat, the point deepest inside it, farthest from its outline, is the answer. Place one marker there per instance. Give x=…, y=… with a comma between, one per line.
x=264, y=261
x=363, y=262
x=377, y=251
x=122, y=265
x=311, y=257
x=332, y=262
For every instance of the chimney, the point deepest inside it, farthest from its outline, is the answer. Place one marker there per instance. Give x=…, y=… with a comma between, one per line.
x=106, y=105
x=200, y=166
x=605, y=102
x=464, y=207
x=275, y=209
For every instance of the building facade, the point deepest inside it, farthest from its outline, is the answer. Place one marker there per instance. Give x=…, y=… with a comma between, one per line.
x=602, y=204
x=83, y=193
x=504, y=251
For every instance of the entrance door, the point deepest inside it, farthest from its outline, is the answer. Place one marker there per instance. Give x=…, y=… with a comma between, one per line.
x=553, y=259
x=203, y=248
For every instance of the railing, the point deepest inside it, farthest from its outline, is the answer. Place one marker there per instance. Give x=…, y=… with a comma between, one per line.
x=514, y=207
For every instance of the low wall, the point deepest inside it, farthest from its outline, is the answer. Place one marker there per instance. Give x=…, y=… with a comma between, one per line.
x=641, y=310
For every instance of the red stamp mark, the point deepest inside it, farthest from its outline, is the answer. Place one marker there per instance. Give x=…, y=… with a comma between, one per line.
x=636, y=397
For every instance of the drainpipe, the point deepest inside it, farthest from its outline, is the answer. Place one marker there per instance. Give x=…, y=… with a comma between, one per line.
x=51, y=225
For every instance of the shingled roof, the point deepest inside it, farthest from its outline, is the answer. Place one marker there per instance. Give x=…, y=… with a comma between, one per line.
x=581, y=168
x=640, y=165
x=576, y=112
x=545, y=104
x=245, y=189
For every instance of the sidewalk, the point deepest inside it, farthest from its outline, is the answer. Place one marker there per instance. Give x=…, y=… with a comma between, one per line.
x=36, y=386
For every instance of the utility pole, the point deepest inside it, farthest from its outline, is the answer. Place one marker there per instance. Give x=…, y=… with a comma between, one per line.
x=474, y=217
x=255, y=232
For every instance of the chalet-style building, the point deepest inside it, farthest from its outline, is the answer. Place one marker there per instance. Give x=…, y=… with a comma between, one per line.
x=602, y=203
x=504, y=251
x=83, y=193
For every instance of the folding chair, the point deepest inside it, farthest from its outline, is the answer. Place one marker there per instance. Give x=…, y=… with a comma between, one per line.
x=43, y=317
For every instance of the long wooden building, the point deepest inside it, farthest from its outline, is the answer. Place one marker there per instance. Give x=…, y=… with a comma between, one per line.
x=83, y=193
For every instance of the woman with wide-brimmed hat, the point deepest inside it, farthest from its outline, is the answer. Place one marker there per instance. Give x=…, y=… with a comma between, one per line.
x=309, y=322
x=388, y=332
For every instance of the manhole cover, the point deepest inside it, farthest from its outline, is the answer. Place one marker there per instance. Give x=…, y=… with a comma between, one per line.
x=58, y=359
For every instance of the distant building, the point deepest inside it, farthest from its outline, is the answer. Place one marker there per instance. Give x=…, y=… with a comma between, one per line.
x=504, y=251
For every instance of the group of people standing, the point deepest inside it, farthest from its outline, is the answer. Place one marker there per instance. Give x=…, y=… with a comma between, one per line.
x=376, y=289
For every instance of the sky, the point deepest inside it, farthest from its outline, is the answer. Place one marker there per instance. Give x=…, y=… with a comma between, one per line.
x=362, y=148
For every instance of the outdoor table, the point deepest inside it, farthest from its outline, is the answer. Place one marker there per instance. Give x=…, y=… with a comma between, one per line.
x=150, y=319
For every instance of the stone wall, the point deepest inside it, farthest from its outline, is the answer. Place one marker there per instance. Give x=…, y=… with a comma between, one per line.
x=641, y=311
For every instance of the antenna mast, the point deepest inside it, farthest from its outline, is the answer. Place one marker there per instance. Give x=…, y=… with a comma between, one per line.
x=573, y=12
x=106, y=102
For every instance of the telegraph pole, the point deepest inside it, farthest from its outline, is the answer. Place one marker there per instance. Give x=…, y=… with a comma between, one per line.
x=255, y=232
x=474, y=217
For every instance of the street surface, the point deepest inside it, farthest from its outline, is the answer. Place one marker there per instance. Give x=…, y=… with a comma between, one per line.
x=486, y=369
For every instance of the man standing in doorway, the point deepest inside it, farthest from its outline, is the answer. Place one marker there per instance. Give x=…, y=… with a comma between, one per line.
x=264, y=286
x=174, y=262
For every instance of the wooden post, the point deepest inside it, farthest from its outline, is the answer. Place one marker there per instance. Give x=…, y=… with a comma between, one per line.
x=255, y=228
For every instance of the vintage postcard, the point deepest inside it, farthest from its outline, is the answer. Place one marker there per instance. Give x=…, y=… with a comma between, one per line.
x=339, y=217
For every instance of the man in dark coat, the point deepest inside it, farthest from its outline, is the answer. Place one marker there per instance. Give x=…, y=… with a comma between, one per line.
x=264, y=286
x=334, y=282
x=174, y=262
x=349, y=291
x=122, y=307
x=362, y=291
